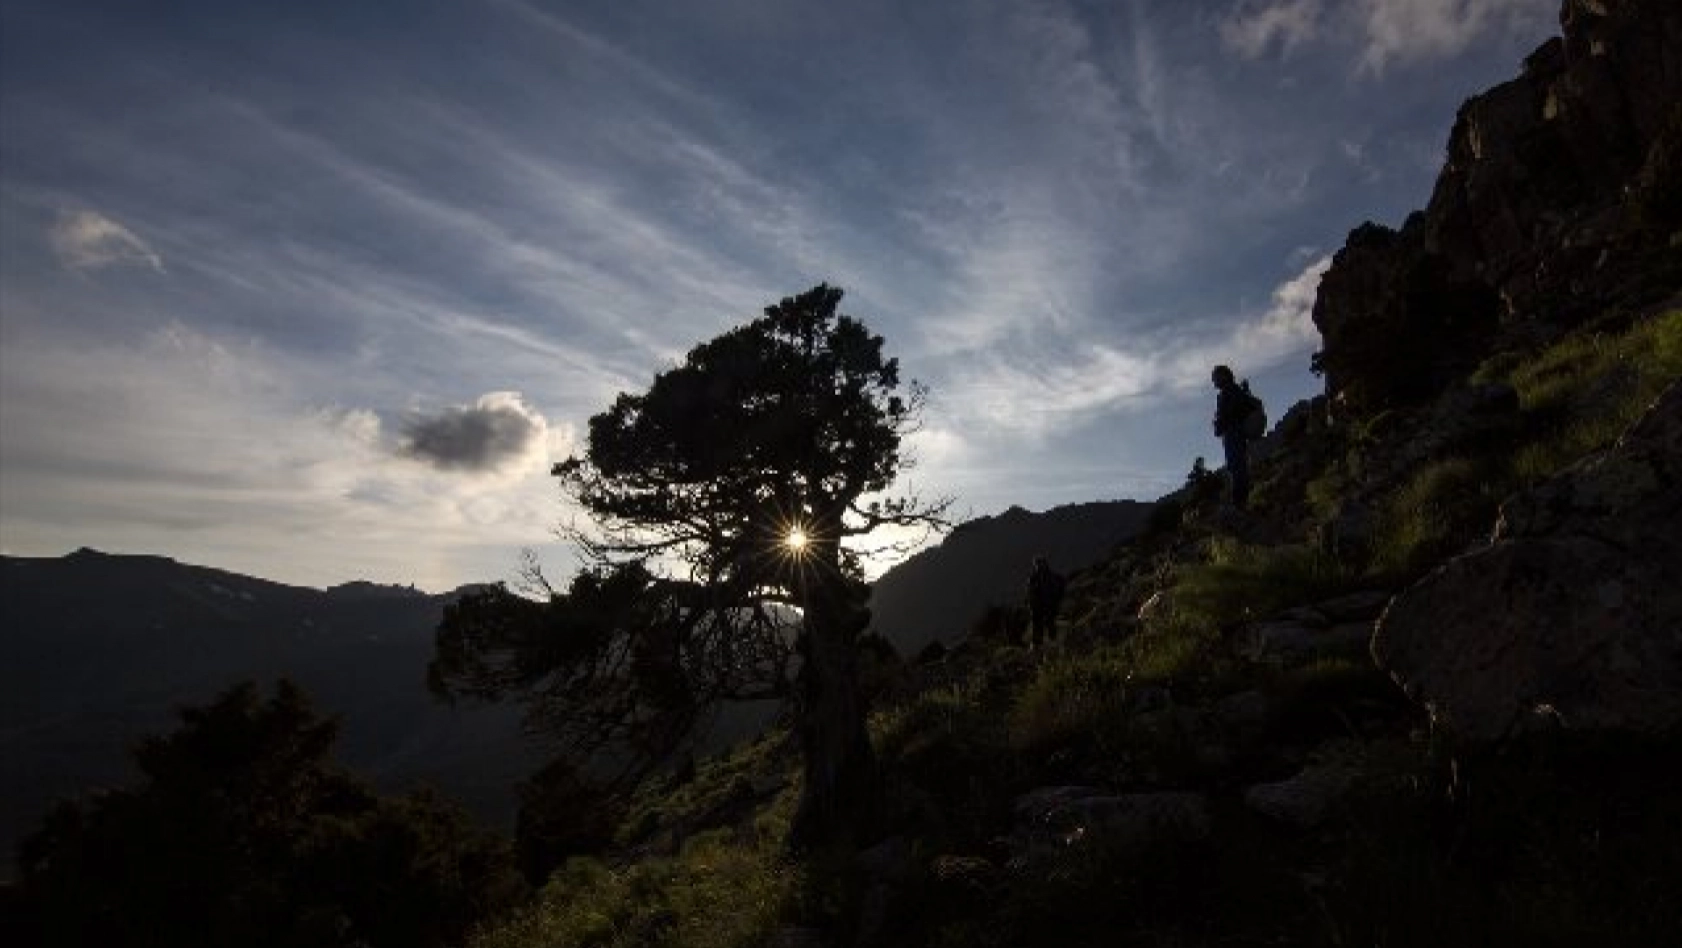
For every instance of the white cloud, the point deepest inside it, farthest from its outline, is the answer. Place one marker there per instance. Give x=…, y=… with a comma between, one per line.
x=1384, y=31
x=88, y=240
x=212, y=452
x=1417, y=30
x=1287, y=327
x=1253, y=26
x=1040, y=392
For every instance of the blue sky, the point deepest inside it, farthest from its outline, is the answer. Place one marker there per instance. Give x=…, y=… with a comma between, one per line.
x=318, y=291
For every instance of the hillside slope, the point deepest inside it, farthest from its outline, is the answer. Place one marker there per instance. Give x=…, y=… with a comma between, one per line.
x=1422, y=695
x=101, y=649
x=937, y=594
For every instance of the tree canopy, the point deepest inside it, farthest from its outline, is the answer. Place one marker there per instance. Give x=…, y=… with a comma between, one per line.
x=242, y=831
x=721, y=501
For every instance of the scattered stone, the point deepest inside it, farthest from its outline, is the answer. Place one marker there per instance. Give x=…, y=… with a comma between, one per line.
x=964, y=876
x=1286, y=642
x=1305, y=799
x=1274, y=641
x=1304, y=615
x=1052, y=819
x=1366, y=605
x=1245, y=714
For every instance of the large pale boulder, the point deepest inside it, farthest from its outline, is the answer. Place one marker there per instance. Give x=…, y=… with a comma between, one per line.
x=1572, y=616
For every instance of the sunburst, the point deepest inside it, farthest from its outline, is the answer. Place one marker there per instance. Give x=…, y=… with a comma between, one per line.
x=796, y=541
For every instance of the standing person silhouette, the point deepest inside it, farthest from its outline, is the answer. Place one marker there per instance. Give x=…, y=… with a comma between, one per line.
x=1233, y=404
x=1045, y=595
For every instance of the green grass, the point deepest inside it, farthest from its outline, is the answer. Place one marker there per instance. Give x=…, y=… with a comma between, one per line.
x=719, y=891
x=1076, y=695
x=718, y=781
x=1442, y=508
x=1238, y=582
x=1580, y=394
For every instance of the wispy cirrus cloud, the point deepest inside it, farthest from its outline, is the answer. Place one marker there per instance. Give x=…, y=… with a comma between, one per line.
x=1382, y=32
x=88, y=240
x=1254, y=26
x=1401, y=31
x=1042, y=392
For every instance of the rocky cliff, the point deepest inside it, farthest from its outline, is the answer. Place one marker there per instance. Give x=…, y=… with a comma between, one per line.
x=1560, y=199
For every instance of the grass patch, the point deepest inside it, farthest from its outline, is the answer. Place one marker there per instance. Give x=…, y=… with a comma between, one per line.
x=1074, y=696
x=1580, y=394
x=718, y=782
x=1240, y=583
x=717, y=892
x=1443, y=507
x=945, y=754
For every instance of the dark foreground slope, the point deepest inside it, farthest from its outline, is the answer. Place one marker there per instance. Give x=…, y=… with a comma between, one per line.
x=1422, y=695
x=100, y=649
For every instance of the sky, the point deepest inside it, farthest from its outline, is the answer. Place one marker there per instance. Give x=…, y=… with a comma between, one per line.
x=319, y=291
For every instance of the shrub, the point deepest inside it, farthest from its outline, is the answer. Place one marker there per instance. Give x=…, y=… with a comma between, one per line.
x=243, y=831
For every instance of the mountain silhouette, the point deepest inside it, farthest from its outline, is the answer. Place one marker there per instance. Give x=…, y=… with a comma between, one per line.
x=99, y=650
x=937, y=594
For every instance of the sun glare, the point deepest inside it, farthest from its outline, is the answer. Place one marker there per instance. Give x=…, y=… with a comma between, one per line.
x=796, y=540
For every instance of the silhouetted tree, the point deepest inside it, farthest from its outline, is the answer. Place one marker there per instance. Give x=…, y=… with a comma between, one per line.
x=722, y=500
x=243, y=832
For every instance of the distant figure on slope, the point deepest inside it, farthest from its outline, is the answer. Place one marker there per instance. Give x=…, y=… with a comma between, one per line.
x=1239, y=418
x=1045, y=595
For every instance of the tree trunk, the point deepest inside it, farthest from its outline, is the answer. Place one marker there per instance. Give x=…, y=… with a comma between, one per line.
x=842, y=786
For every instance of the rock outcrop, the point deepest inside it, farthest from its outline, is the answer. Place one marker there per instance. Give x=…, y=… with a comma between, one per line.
x=1572, y=617
x=1561, y=196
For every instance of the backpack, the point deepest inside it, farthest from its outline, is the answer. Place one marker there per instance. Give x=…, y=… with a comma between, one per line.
x=1255, y=420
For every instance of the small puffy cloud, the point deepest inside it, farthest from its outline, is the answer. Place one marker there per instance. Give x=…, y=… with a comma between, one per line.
x=498, y=432
x=1253, y=27
x=87, y=240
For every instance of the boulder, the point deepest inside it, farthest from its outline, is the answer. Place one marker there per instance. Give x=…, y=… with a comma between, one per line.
x=1363, y=606
x=1306, y=798
x=1050, y=820
x=1244, y=715
x=1573, y=614
x=1283, y=642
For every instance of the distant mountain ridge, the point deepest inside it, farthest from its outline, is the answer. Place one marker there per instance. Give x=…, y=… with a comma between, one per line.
x=937, y=594
x=97, y=650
